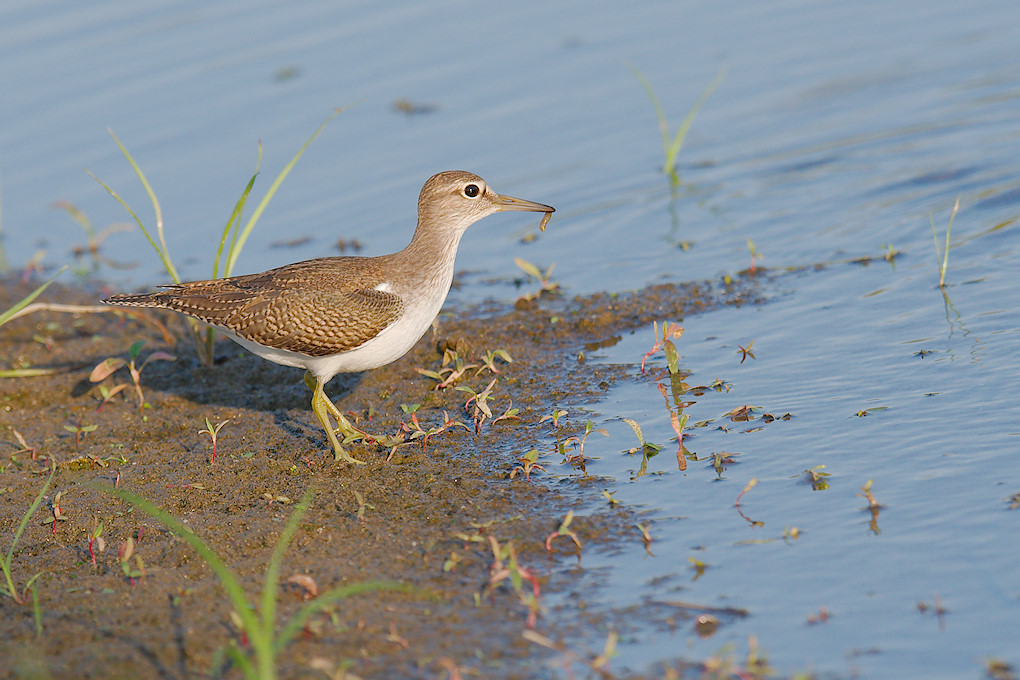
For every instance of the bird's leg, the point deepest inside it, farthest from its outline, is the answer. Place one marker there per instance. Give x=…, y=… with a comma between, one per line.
x=322, y=407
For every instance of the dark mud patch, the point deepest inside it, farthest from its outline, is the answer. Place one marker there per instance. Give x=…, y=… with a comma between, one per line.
x=423, y=517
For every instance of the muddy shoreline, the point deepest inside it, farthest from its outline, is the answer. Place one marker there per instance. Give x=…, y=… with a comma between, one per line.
x=419, y=515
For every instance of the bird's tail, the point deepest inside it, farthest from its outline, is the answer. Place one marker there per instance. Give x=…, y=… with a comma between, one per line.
x=134, y=300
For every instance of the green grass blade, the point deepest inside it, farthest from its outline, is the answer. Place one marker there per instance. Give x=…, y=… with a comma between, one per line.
x=935, y=239
x=27, y=300
x=28, y=372
x=6, y=564
x=268, y=606
x=681, y=133
x=949, y=229
x=163, y=257
x=36, y=609
x=296, y=624
x=152, y=196
x=230, y=583
x=233, y=223
x=237, y=227
x=242, y=661
x=235, y=250
x=663, y=123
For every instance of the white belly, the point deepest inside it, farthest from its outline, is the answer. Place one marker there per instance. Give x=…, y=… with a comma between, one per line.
x=391, y=344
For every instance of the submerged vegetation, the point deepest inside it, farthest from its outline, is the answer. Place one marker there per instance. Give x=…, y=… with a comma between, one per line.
x=942, y=255
x=672, y=142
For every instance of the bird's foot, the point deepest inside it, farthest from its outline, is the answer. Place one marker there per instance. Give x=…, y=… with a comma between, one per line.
x=344, y=432
x=322, y=407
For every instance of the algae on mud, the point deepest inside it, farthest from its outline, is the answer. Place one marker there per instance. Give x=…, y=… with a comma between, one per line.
x=422, y=516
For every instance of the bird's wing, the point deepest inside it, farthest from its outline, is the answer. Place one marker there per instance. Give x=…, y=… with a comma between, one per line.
x=318, y=307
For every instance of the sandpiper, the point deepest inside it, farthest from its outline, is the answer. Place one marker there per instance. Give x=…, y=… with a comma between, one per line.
x=345, y=314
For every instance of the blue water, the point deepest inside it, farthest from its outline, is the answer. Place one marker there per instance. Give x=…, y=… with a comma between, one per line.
x=837, y=130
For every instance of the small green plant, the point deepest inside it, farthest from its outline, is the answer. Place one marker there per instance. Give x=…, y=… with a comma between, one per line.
x=545, y=282
x=942, y=256
x=213, y=431
x=480, y=401
x=745, y=352
x=672, y=142
x=564, y=530
x=529, y=462
x=451, y=369
x=124, y=555
x=94, y=239
x=79, y=431
x=362, y=504
x=97, y=543
x=646, y=448
x=506, y=566
x=203, y=337
x=108, y=367
x=555, y=416
x=670, y=332
x=755, y=254
x=722, y=460
x=818, y=479
x=413, y=431
x=489, y=360
x=9, y=589
x=578, y=458
x=257, y=623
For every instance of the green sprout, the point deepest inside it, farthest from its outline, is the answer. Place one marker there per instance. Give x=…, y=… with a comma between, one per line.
x=545, y=282
x=673, y=142
x=108, y=367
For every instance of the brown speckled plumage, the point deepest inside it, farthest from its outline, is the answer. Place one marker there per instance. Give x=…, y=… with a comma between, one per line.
x=317, y=307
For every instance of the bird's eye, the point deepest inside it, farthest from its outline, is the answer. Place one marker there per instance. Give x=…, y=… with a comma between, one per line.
x=472, y=191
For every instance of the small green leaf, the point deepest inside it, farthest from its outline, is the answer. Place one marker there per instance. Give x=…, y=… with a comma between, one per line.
x=672, y=358
x=136, y=349
x=528, y=268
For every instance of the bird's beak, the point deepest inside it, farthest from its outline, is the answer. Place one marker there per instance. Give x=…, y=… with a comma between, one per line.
x=511, y=203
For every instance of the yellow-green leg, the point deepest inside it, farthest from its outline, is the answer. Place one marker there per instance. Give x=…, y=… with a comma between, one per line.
x=322, y=407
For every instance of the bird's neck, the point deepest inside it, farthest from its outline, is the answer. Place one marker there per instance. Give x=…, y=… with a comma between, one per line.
x=431, y=255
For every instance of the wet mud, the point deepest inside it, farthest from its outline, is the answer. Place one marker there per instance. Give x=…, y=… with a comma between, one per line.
x=423, y=514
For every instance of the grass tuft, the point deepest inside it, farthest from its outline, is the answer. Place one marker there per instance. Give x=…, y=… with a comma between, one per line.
x=673, y=142
x=257, y=620
x=9, y=588
x=233, y=233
